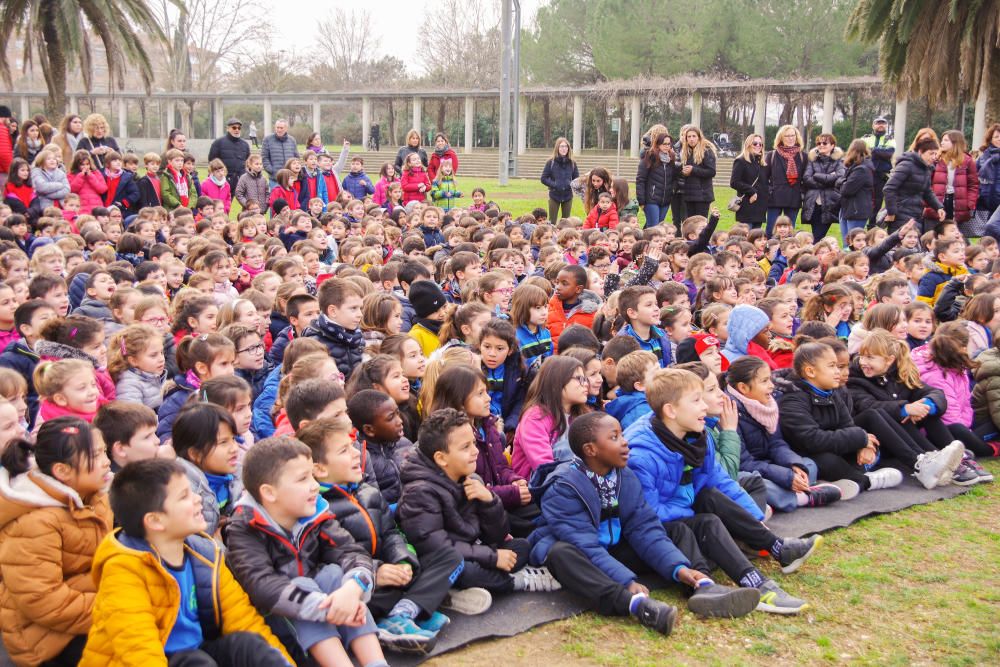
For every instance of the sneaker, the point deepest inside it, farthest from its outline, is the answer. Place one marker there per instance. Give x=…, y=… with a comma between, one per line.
x=884, y=478
x=468, y=601
x=795, y=551
x=401, y=634
x=953, y=454
x=717, y=601
x=535, y=580
x=849, y=489
x=964, y=475
x=973, y=465
x=822, y=494
x=434, y=622
x=656, y=615
x=929, y=468
x=768, y=512
x=773, y=600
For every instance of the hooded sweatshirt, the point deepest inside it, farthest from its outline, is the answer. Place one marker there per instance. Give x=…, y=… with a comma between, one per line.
x=745, y=322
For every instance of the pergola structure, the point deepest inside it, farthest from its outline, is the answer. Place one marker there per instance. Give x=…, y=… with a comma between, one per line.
x=633, y=92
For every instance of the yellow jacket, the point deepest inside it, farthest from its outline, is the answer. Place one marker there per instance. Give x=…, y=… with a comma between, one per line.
x=138, y=601
x=428, y=339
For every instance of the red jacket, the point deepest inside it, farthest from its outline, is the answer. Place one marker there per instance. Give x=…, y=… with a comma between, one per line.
x=290, y=197
x=6, y=149
x=583, y=313
x=966, y=188
x=435, y=162
x=411, y=180
x=606, y=220
x=91, y=188
x=22, y=193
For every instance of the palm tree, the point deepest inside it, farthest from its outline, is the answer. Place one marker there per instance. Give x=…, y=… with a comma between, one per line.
x=59, y=33
x=944, y=50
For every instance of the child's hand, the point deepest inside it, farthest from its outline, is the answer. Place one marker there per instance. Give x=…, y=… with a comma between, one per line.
x=753, y=198
x=906, y=228
x=476, y=490
x=635, y=588
x=347, y=144
x=342, y=604
x=506, y=560
x=834, y=317
x=872, y=441
x=730, y=417
x=916, y=411
x=690, y=577
x=522, y=488
x=800, y=480
x=714, y=211
x=393, y=575
x=866, y=456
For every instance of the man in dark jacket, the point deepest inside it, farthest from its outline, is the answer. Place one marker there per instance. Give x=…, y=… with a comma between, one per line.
x=909, y=187
x=277, y=149
x=883, y=148
x=232, y=150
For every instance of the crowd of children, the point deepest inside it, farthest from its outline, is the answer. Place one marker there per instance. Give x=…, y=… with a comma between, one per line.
x=301, y=423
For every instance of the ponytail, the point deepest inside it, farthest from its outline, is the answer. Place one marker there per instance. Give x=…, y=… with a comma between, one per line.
x=881, y=343
x=66, y=440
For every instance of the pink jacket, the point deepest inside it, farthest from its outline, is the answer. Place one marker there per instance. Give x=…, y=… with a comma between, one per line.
x=8, y=337
x=533, y=441
x=90, y=187
x=412, y=178
x=955, y=386
x=382, y=190
x=210, y=189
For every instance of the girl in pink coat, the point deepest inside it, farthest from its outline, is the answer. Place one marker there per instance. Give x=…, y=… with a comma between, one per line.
x=944, y=364
x=87, y=182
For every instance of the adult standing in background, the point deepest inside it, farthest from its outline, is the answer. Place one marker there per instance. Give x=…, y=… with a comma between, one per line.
x=96, y=139
x=882, y=148
x=253, y=133
x=442, y=151
x=233, y=152
x=819, y=184
x=988, y=167
x=956, y=185
x=278, y=148
x=69, y=135
x=909, y=190
x=176, y=139
x=786, y=165
x=376, y=136
x=856, y=188
x=749, y=180
x=656, y=178
x=6, y=145
x=412, y=146
x=558, y=175
x=698, y=170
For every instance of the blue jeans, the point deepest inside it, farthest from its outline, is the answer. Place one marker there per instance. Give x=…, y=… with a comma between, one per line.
x=310, y=633
x=655, y=214
x=847, y=225
x=782, y=499
x=774, y=212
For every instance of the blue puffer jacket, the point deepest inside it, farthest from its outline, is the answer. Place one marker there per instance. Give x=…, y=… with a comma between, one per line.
x=19, y=357
x=173, y=400
x=571, y=512
x=766, y=453
x=660, y=470
x=628, y=408
x=346, y=347
x=359, y=185
x=262, y=425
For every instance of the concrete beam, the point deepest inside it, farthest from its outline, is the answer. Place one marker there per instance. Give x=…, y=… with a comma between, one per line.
x=577, y=123
x=760, y=113
x=366, y=119
x=417, y=102
x=828, y=107
x=979, y=119
x=899, y=125
x=635, y=125
x=696, y=108
x=470, y=123
x=268, y=124
x=522, y=125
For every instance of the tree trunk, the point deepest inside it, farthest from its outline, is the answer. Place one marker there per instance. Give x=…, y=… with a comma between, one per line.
x=787, y=109
x=854, y=114
x=546, y=123
x=601, y=118
x=993, y=99
x=723, y=111
x=392, y=123
x=55, y=74
x=440, y=119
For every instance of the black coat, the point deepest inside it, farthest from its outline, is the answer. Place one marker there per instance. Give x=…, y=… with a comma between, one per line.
x=404, y=153
x=750, y=178
x=346, y=347
x=655, y=185
x=909, y=191
x=233, y=152
x=367, y=517
x=435, y=514
x=382, y=462
x=857, y=191
x=697, y=185
x=814, y=424
x=819, y=184
x=784, y=194
x=557, y=176
x=90, y=143
x=888, y=393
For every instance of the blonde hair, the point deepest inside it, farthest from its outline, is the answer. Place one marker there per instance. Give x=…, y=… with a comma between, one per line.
x=881, y=343
x=51, y=376
x=745, y=153
x=129, y=342
x=42, y=254
x=781, y=133
x=217, y=164
x=698, y=152
x=632, y=369
x=668, y=385
x=12, y=384
x=440, y=360
x=91, y=122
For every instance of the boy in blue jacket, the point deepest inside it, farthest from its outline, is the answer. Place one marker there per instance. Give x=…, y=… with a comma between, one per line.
x=630, y=403
x=684, y=483
x=596, y=531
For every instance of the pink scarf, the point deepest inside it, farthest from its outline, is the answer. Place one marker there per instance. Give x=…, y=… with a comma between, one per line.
x=48, y=410
x=765, y=413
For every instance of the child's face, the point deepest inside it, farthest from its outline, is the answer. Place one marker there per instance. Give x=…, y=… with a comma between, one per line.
x=646, y=311
x=294, y=494
x=721, y=329
x=387, y=424
x=609, y=448
x=348, y=314
x=704, y=273
x=921, y=324
x=58, y=299
x=825, y=373
x=781, y=320
x=861, y=268
x=459, y=460
x=712, y=358
x=728, y=295
x=689, y=412
x=494, y=351
x=221, y=459
x=731, y=268
x=79, y=393
x=681, y=328
x=953, y=256
x=713, y=396
x=104, y=287
x=10, y=425
x=151, y=359
x=221, y=366
x=604, y=203
x=566, y=287
x=873, y=365
x=477, y=404
x=413, y=362
x=88, y=482
x=152, y=168
x=250, y=355
x=804, y=290
x=342, y=461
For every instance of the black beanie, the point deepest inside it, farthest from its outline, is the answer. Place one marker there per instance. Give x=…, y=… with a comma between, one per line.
x=426, y=297
x=5, y=111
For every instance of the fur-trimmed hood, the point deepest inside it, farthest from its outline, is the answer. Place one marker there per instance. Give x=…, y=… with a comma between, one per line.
x=836, y=154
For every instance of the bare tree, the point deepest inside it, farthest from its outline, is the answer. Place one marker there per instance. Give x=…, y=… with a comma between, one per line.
x=350, y=43
x=476, y=25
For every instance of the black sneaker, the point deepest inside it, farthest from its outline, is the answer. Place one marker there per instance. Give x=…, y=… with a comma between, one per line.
x=717, y=601
x=795, y=551
x=973, y=465
x=964, y=475
x=822, y=494
x=657, y=615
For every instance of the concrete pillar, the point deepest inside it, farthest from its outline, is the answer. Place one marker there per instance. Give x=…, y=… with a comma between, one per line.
x=979, y=119
x=635, y=126
x=74, y=104
x=470, y=123
x=122, y=118
x=899, y=125
x=416, y=117
x=171, y=114
x=366, y=119
x=760, y=113
x=25, y=109
x=828, y=107
x=696, y=108
x=268, y=125
x=522, y=125
x=316, y=116
x=218, y=121
x=577, y=123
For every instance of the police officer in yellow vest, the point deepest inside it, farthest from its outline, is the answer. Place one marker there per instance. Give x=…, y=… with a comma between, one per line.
x=882, y=147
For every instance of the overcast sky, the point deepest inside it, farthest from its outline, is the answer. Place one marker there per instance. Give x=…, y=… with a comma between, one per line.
x=395, y=20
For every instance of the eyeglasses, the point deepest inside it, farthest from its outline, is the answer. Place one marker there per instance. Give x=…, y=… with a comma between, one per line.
x=156, y=321
x=757, y=143
x=823, y=143
x=253, y=349
x=602, y=266
x=582, y=379
x=504, y=290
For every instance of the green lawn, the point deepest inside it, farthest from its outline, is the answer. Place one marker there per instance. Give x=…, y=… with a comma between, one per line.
x=918, y=587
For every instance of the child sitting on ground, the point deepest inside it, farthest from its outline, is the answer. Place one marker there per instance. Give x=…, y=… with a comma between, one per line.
x=129, y=432
x=642, y=316
x=630, y=403
x=379, y=426
x=296, y=562
x=597, y=530
x=161, y=548
x=406, y=589
x=337, y=327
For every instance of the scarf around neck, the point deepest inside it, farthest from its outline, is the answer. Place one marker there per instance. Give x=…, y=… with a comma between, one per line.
x=607, y=486
x=791, y=168
x=692, y=447
x=765, y=413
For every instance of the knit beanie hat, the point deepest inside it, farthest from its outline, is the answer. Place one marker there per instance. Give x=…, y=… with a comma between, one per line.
x=426, y=297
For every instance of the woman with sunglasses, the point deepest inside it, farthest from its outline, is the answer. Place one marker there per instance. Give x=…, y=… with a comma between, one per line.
x=749, y=179
x=819, y=185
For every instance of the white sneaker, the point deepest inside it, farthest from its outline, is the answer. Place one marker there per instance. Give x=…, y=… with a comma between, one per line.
x=469, y=601
x=535, y=580
x=953, y=455
x=884, y=478
x=930, y=467
x=849, y=489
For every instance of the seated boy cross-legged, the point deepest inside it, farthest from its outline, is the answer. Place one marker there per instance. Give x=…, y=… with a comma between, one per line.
x=597, y=530
x=165, y=595
x=296, y=562
x=685, y=484
x=407, y=591
x=446, y=506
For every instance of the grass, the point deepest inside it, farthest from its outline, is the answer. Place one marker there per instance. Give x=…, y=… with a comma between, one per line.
x=917, y=587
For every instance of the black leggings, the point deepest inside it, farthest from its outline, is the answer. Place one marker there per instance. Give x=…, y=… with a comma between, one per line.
x=559, y=209
x=697, y=207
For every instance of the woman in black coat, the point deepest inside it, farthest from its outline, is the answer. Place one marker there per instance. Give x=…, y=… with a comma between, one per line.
x=749, y=179
x=558, y=176
x=857, y=188
x=698, y=169
x=97, y=141
x=786, y=166
x=909, y=186
x=412, y=146
x=656, y=179
x=820, y=198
